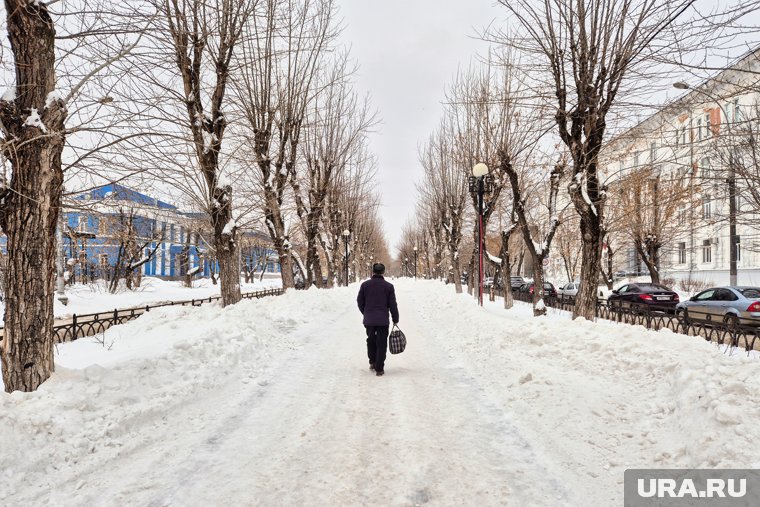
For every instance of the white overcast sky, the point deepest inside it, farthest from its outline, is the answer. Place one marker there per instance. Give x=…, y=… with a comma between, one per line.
x=407, y=52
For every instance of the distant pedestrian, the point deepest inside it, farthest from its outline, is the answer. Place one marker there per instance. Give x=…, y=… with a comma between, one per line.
x=376, y=298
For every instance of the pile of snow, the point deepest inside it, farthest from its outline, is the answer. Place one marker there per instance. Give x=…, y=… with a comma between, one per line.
x=602, y=397
x=109, y=390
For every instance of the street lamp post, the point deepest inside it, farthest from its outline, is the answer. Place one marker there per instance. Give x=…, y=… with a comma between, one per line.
x=406, y=266
x=731, y=182
x=346, y=234
x=480, y=182
x=415, y=262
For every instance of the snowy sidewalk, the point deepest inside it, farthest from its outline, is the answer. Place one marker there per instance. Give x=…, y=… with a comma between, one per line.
x=271, y=403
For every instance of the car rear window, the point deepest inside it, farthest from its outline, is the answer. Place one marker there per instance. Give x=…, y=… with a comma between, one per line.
x=750, y=292
x=651, y=286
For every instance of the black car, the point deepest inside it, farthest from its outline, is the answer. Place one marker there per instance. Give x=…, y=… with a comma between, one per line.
x=549, y=290
x=644, y=297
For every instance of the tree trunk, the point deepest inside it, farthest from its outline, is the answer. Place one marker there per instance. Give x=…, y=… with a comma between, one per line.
x=30, y=208
x=225, y=246
x=471, y=275
x=457, y=276
x=505, y=269
x=538, y=289
x=212, y=270
x=229, y=277
x=318, y=276
x=648, y=255
x=585, y=301
x=520, y=260
x=313, y=264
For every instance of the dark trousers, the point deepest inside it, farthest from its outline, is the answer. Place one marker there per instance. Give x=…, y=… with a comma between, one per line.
x=377, y=344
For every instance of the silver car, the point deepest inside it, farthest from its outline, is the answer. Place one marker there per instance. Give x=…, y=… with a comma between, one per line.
x=569, y=290
x=732, y=306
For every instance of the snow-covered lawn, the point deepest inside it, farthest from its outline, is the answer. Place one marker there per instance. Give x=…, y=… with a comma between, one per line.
x=270, y=402
x=94, y=298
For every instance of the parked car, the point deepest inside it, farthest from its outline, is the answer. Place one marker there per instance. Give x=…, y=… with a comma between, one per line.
x=487, y=282
x=516, y=282
x=549, y=290
x=732, y=306
x=644, y=296
x=569, y=290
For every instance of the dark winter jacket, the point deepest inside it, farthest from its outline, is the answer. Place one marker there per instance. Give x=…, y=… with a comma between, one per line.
x=376, y=297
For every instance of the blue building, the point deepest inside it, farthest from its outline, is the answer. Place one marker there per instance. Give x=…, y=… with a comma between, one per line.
x=95, y=223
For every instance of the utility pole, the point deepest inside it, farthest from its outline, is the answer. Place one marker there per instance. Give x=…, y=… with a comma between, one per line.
x=733, y=240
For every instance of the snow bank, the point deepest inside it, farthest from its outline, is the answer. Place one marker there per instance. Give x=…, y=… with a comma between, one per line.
x=104, y=395
x=602, y=397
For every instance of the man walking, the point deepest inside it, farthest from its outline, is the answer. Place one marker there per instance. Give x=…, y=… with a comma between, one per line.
x=376, y=298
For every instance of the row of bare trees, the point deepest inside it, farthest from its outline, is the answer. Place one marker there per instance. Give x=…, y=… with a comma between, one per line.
x=243, y=110
x=538, y=111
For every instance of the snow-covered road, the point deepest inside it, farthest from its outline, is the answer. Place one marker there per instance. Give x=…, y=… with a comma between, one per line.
x=271, y=403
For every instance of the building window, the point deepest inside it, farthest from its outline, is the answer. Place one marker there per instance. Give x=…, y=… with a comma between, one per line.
x=652, y=153
x=706, y=251
x=682, y=253
x=683, y=135
x=706, y=207
x=682, y=214
x=737, y=111
x=102, y=226
x=705, y=169
x=708, y=126
x=636, y=160
x=699, y=129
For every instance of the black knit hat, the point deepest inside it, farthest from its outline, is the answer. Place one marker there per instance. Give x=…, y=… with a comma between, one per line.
x=378, y=268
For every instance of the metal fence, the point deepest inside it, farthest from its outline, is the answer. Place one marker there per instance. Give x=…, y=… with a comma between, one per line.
x=744, y=335
x=95, y=323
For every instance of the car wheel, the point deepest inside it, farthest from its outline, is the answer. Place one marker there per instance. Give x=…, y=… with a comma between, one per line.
x=731, y=322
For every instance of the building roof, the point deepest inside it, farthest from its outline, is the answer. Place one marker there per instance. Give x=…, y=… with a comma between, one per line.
x=114, y=191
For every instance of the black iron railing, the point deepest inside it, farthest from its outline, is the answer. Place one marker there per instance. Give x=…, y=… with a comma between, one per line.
x=95, y=323
x=743, y=333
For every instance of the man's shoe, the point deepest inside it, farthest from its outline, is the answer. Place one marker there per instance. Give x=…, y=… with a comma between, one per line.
x=371, y=366
x=380, y=373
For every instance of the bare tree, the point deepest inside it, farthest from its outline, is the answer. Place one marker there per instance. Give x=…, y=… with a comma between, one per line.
x=588, y=49
x=336, y=126
x=134, y=247
x=506, y=247
x=203, y=36
x=33, y=117
x=569, y=249
x=652, y=201
x=33, y=140
x=537, y=251
x=284, y=49
x=445, y=191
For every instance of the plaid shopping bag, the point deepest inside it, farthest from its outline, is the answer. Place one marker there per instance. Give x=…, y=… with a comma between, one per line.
x=396, y=340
